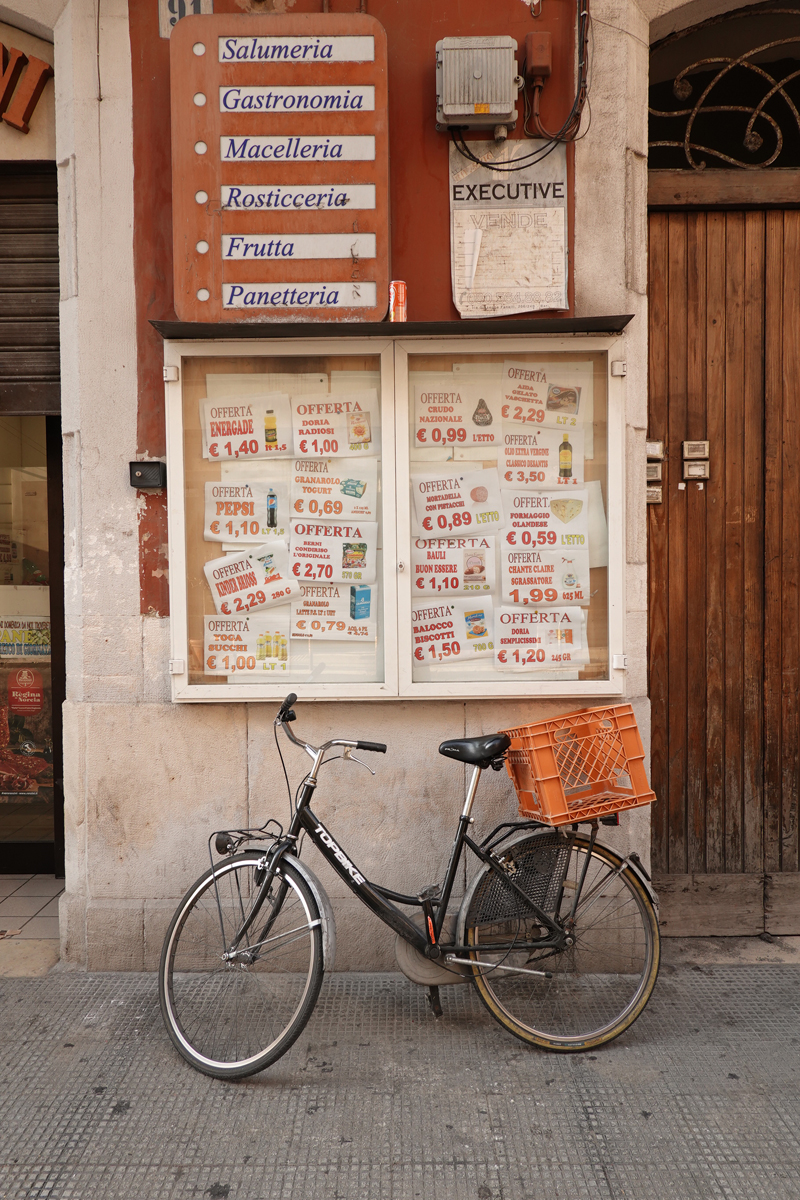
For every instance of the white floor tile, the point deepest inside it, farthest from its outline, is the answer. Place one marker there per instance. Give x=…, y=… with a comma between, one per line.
x=40, y=927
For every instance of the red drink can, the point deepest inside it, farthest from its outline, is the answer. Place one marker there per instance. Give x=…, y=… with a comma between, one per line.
x=398, y=303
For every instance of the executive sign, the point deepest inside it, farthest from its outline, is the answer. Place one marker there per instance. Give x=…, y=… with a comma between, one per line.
x=280, y=168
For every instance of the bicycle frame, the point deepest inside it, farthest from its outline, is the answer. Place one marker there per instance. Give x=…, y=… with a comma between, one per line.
x=379, y=899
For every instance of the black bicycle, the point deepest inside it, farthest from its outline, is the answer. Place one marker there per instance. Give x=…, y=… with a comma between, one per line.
x=558, y=933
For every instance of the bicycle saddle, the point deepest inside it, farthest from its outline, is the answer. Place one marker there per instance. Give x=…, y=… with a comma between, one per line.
x=479, y=751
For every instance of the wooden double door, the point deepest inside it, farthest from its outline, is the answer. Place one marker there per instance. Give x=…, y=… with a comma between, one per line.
x=724, y=558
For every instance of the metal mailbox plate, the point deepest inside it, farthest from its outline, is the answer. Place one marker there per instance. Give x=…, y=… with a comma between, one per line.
x=695, y=449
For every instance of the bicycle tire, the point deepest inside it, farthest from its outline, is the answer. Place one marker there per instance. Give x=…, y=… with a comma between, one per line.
x=601, y=983
x=232, y=1018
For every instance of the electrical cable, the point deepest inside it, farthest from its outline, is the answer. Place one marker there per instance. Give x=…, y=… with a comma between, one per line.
x=570, y=128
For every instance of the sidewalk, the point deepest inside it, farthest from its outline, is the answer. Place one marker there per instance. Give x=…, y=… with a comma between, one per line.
x=29, y=942
x=379, y=1101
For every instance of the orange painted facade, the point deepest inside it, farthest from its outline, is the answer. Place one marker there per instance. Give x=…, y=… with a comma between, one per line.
x=418, y=177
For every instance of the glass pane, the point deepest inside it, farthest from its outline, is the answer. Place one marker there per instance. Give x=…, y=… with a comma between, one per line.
x=283, y=519
x=509, y=554
x=26, y=713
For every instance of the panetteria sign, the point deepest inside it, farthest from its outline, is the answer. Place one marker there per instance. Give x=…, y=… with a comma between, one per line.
x=280, y=168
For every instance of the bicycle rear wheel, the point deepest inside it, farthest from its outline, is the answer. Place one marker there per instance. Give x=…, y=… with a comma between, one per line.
x=232, y=1016
x=601, y=983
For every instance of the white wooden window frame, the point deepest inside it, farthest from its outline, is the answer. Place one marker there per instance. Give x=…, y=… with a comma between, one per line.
x=397, y=601
x=615, y=684
x=174, y=354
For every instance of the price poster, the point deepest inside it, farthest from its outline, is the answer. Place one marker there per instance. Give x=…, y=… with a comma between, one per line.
x=257, y=645
x=451, y=502
x=549, y=394
x=527, y=638
x=548, y=519
x=246, y=512
x=544, y=554
x=241, y=583
x=347, y=424
x=460, y=415
x=247, y=429
x=464, y=566
x=535, y=458
x=328, y=613
x=331, y=487
x=540, y=577
x=334, y=552
x=452, y=631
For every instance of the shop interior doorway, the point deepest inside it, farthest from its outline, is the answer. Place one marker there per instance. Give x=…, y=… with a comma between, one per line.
x=31, y=646
x=32, y=667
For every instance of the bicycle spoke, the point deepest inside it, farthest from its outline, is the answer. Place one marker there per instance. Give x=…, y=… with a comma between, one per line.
x=229, y=1016
x=597, y=983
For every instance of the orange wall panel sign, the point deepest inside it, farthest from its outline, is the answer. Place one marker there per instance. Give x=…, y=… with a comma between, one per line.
x=280, y=168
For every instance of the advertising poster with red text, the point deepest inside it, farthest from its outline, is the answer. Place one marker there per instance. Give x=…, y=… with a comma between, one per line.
x=336, y=613
x=452, y=632
x=247, y=429
x=331, y=487
x=544, y=551
x=529, y=638
x=339, y=425
x=334, y=552
x=256, y=645
x=554, y=395
x=536, y=458
x=460, y=415
x=251, y=512
x=452, y=566
x=453, y=502
x=243, y=583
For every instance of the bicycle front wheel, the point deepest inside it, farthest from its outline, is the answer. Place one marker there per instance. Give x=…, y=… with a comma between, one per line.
x=601, y=983
x=232, y=1008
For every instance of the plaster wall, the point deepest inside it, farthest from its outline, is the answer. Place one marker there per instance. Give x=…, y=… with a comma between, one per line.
x=142, y=792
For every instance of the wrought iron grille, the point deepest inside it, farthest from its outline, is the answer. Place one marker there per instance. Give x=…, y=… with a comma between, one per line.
x=731, y=111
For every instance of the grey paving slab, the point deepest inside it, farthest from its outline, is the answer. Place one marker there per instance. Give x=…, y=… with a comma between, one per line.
x=701, y=1098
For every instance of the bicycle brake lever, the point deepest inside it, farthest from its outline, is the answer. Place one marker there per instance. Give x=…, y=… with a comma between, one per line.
x=349, y=754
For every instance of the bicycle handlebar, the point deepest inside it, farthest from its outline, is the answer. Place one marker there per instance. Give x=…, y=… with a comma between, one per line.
x=285, y=715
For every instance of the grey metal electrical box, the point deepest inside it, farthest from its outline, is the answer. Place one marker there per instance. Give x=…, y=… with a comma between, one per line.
x=476, y=82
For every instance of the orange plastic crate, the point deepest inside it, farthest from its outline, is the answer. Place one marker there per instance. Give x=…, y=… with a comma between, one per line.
x=579, y=766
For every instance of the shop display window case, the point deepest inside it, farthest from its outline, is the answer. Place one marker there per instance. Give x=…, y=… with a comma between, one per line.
x=395, y=517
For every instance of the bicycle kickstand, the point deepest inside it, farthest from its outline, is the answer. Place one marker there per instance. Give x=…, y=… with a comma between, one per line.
x=434, y=1001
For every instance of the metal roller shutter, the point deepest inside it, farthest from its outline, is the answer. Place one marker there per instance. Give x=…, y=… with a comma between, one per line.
x=29, y=292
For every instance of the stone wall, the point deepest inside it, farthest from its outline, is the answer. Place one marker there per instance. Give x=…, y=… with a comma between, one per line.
x=142, y=793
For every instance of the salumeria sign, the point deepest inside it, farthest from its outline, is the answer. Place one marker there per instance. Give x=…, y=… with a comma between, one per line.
x=280, y=168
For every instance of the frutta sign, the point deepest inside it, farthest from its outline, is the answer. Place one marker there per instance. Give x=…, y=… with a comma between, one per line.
x=280, y=168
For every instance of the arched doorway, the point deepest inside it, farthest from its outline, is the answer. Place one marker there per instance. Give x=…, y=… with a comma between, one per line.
x=724, y=553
